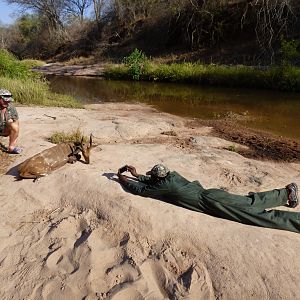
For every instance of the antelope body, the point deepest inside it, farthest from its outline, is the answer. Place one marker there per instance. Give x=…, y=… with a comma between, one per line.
x=53, y=158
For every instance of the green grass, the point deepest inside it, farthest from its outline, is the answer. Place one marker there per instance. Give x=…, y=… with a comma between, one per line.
x=280, y=78
x=11, y=67
x=36, y=92
x=64, y=137
x=31, y=63
x=28, y=87
x=232, y=148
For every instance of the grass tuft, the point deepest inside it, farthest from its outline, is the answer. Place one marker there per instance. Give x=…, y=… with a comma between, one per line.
x=80, y=60
x=31, y=63
x=232, y=148
x=65, y=137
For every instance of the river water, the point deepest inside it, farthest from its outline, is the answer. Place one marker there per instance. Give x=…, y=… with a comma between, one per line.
x=272, y=111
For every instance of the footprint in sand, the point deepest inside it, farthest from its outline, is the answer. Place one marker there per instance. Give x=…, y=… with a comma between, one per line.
x=161, y=284
x=110, y=268
x=62, y=258
x=231, y=178
x=198, y=283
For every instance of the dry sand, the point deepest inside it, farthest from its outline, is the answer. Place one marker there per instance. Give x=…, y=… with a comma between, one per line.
x=76, y=234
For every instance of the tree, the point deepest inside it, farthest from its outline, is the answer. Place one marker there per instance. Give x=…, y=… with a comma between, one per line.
x=272, y=21
x=98, y=7
x=51, y=9
x=78, y=7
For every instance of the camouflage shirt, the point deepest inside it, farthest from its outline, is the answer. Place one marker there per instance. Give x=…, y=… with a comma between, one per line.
x=5, y=114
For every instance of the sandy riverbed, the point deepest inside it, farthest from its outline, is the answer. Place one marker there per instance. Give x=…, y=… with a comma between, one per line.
x=76, y=234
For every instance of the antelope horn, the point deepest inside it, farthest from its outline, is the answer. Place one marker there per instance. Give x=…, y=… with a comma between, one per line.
x=72, y=150
x=91, y=140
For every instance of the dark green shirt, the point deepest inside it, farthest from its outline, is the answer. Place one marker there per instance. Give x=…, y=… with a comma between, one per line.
x=174, y=188
x=216, y=202
x=6, y=114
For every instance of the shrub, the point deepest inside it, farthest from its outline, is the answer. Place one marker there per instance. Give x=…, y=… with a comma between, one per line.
x=137, y=63
x=289, y=51
x=13, y=68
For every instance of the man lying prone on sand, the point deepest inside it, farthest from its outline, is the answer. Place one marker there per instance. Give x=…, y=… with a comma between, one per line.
x=250, y=209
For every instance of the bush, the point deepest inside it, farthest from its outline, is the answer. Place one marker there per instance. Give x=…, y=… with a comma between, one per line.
x=290, y=79
x=136, y=62
x=289, y=51
x=13, y=68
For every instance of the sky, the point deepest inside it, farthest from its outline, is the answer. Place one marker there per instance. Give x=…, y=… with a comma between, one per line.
x=7, y=13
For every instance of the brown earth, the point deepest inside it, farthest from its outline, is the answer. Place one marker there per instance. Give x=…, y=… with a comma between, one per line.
x=260, y=145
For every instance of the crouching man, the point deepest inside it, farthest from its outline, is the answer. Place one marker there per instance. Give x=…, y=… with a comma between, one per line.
x=9, y=121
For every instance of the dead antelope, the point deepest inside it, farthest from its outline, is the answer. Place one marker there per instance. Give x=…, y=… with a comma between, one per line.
x=53, y=158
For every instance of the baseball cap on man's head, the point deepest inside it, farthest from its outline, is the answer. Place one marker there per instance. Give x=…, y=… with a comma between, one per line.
x=159, y=171
x=6, y=95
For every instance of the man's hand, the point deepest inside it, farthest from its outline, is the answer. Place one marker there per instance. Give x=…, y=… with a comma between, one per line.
x=132, y=170
x=122, y=177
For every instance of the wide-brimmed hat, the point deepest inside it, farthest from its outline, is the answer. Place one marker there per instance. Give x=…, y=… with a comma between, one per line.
x=159, y=171
x=6, y=95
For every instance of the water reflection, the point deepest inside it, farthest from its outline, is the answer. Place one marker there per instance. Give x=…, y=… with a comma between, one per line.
x=269, y=110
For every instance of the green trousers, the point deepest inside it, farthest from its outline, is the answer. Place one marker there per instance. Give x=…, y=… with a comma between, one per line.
x=252, y=209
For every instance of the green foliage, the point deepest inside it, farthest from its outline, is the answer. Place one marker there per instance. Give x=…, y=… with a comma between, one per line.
x=287, y=78
x=31, y=63
x=136, y=63
x=29, y=26
x=65, y=137
x=232, y=148
x=12, y=67
x=28, y=87
x=36, y=92
x=117, y=72
x=289, y=51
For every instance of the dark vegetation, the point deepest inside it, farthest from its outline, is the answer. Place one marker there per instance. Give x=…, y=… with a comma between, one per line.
x=214, y=31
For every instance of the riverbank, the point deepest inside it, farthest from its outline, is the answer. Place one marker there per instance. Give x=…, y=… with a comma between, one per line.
x=76, y=233
x=274, y=77
x=36, y=92
x=271, y=77
x=28, y=87
x=259, y=144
